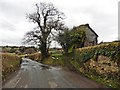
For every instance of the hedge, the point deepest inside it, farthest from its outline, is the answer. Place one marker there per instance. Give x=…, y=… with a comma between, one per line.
x=10, y=62
x=100, y=61
x=111, y=50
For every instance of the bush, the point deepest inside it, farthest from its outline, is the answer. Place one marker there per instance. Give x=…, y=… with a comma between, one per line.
x=10, y=62
x=35, y=56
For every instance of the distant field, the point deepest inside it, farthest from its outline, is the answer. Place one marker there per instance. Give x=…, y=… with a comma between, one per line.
x=10, y=62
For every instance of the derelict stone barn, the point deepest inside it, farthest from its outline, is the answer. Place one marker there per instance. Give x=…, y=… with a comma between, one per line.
x=91, y=35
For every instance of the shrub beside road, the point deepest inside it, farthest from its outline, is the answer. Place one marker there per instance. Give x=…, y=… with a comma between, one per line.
x=10, y=63
x=34, y=56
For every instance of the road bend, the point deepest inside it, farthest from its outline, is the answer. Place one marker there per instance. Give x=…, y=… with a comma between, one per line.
x=36, y=75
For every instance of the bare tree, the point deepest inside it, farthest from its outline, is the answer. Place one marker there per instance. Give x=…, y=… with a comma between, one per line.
x=48, y=18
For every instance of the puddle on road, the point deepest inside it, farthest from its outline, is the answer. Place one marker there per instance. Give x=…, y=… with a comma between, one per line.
x=44, y=67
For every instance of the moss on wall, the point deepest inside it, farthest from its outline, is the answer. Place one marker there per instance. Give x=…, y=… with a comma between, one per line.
x=101, y=61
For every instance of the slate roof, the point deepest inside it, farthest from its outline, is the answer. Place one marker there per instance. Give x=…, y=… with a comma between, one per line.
x=89, y=28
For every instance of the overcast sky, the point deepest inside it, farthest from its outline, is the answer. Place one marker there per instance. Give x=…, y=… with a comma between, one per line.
x=102, y=15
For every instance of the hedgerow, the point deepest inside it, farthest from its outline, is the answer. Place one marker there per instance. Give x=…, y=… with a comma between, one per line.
x=101, y=61
x=10, y=62
x=111, y=50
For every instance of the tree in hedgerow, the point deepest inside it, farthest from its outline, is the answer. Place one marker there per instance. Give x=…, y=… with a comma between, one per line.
x=64, y=39
x=71, y=39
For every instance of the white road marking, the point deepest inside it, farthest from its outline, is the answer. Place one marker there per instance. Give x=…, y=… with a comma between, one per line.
x=53, y=84
x=26, y=86
x=18, y=74
x=17, y=82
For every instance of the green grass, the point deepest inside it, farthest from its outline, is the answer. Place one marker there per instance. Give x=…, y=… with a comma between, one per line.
x=55, y=60
x=104, y=81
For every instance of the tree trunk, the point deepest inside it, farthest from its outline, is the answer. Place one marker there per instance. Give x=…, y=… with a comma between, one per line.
x=66, y=51
x=44, y=51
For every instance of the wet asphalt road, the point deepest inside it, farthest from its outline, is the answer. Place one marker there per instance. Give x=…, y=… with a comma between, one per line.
x=36, y=75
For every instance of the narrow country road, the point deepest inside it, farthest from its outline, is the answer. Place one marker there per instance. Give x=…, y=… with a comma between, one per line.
x=36, y=75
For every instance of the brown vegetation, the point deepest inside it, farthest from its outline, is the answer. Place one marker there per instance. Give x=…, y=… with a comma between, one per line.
x=34, y=56
x=10, y=62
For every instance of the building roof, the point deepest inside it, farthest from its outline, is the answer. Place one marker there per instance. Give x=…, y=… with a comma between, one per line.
x=89, y=28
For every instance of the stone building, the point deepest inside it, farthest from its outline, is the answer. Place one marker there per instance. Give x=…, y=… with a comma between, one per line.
x=91, y=35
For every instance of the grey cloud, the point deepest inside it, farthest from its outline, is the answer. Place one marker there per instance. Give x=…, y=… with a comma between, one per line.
x=13, y=11
x=5, y=25
x=104, y=23
x=119, y=20
x=11, y=42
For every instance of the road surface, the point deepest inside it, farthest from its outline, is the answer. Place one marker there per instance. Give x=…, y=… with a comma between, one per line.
x=36, y=75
